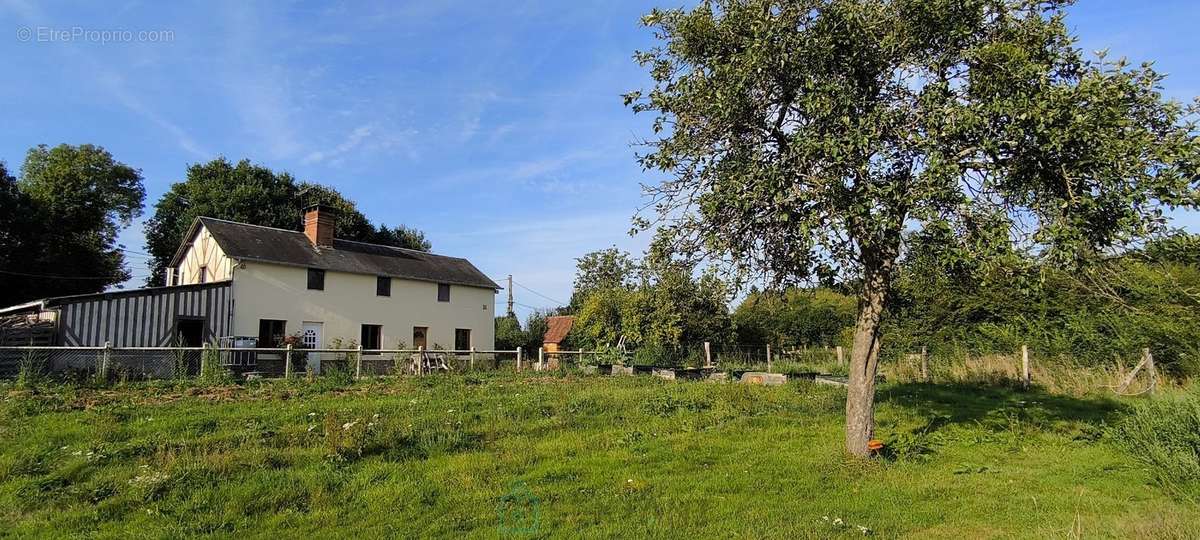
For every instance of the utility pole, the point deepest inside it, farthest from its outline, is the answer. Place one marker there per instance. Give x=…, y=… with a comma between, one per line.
x=510, y=300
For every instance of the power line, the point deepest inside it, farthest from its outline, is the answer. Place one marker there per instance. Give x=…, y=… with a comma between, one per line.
x=51, y=276
x=135, y=252
x=535, y=308
x=559, y=302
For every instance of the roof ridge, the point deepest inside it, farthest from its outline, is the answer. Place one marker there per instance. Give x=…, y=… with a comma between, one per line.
x=398, y=248
x=335, y=238
x=243, y=223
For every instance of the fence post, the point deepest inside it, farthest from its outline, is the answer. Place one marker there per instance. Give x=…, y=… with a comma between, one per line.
x=541, y=365
x=707, y=355
x=287, y=362
x=1025, y=366
x=358, y=364
x=105, y=358
x=471, y=365
x=518, y=359
x=924, y=364
x=1150, y=365
x=204, y=359
x=768, y=358
x=421, y=360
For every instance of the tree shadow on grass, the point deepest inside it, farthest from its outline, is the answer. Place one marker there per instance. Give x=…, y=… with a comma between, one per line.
x=962, y=403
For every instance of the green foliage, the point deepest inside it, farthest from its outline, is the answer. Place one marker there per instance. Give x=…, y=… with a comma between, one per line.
x=62, y=216
x=604, y=355
x=535, y=331
x=655, y=302
x=806, y=136
x=211, y=370
x=32, y=368
x=1164, y=435
x=1100, y=315
x=254, y=194
x=509, y=335
x=602, y=270
x=794, y=318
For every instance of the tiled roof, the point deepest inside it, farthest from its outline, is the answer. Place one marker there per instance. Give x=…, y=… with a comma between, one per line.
x=268, y=244
x=557, y=328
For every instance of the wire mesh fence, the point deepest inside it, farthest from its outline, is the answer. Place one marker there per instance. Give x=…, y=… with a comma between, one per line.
x=149, y=363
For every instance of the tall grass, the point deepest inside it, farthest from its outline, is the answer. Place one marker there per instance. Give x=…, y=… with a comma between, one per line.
x=1164, y=435
x=1057, y=375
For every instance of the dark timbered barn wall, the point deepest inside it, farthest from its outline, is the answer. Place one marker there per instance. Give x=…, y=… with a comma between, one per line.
x=144, y=318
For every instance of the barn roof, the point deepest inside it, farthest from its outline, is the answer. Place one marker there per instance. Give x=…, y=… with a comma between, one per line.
x=292, y=248
x=54, y=301
x=557, y=328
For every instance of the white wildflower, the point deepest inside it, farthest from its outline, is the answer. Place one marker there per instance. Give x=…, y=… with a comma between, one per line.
x=349, y=425
x=838, y=521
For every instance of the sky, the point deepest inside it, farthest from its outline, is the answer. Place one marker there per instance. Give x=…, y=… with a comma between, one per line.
x=497, y=128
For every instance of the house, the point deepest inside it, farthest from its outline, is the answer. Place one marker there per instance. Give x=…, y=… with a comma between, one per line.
x=231, y=279
x=557, y=329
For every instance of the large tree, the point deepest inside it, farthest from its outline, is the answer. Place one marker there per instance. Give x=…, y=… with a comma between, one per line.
x=805, y=138
x=655, y=302
x=59, y=222
x=250, y=193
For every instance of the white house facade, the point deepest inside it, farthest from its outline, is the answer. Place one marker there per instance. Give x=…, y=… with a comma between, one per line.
x=331, y=292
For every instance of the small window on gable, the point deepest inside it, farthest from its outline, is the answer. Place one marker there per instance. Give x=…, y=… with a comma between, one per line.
x=316, y=279
x=383, y=286
x=443, y=292
x=372, y=336
x=203, y=274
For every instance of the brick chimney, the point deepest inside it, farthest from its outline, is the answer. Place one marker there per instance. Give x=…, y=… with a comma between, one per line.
x=318, y=225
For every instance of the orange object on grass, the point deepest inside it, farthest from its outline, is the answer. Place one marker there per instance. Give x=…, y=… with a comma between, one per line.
x=874, y=445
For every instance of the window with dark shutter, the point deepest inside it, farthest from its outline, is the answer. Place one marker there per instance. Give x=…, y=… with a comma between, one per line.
x=462, y=339
x=203, y=274
x=316, y=279
x=383, y=286
x=443, y=292
x=271, y=332
x=372, y=336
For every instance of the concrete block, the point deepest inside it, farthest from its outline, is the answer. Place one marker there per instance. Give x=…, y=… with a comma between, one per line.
x=764, y=378
x=668, y=374
x=719, y=376
x=589, y=370
x=622, y=370
x=832, y=381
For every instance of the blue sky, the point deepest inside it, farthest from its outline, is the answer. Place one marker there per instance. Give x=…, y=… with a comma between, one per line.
x=495, y=127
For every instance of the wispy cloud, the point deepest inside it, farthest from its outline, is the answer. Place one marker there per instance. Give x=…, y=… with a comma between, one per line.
x=353, y=140
x=258, y=89
x=111, y=81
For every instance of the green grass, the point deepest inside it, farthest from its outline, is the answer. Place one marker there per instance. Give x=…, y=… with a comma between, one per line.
x=596, y=457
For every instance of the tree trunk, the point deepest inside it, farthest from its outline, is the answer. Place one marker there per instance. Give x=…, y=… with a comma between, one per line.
x=864, y=361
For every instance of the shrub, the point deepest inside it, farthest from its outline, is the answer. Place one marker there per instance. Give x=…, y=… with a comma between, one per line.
x=32, y=368
x=1164, y=434
x=211, y=370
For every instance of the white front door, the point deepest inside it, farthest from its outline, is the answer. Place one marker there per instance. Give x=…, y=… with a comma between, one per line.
x=310, y=336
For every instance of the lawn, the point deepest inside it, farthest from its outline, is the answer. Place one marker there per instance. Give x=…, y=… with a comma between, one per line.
x=522, y=455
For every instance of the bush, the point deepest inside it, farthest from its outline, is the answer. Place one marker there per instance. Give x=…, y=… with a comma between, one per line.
x=654, y=354
x=32, y=367
x=1164, y=434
